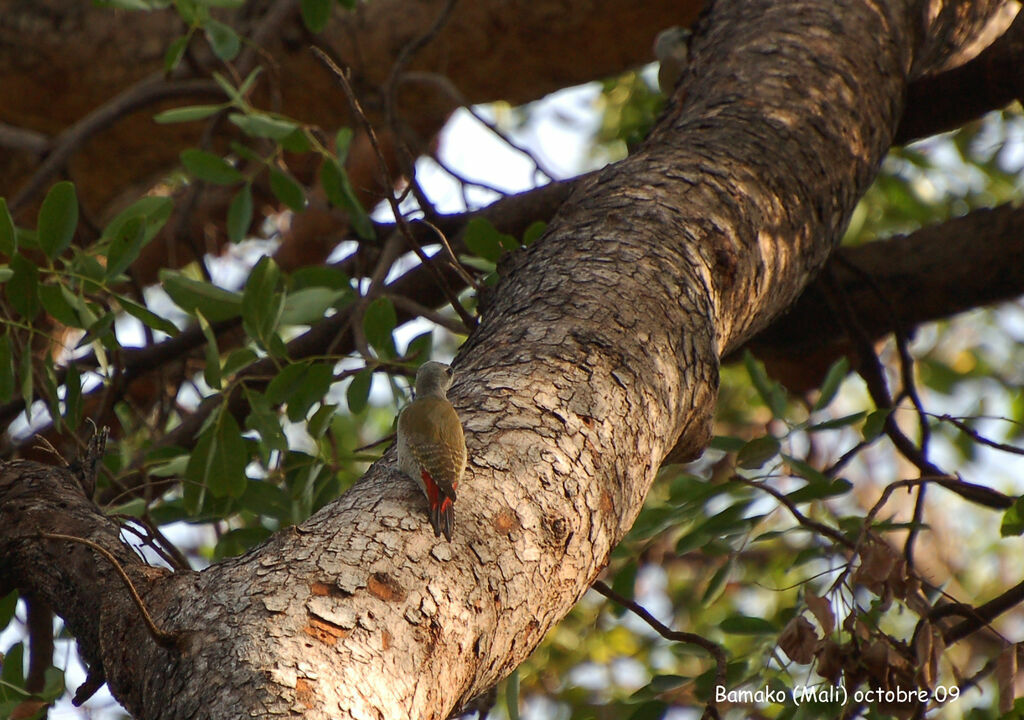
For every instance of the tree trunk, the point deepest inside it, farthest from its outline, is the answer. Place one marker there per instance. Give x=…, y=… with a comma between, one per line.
x=597, y=355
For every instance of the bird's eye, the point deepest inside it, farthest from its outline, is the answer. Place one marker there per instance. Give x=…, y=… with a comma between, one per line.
x=448, y=372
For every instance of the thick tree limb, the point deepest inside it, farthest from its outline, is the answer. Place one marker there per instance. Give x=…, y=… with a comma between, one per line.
x=947, y=100
x=598, y=352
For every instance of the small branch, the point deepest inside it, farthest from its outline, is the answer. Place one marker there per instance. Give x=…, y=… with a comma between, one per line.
x=39, y=624
x=17, y=138
x=460, y=99
x=456, y=265
x=668, y=633
x=162, y=638
x=937, y=103
x=403, y=225
x=984, y=614
x=414, y=308
x=978, y=437
x=807, y=522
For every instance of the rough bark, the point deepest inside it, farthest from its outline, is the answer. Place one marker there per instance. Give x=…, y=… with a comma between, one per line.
x=598, y=354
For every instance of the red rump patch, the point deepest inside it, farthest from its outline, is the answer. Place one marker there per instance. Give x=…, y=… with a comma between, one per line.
x=431, y=487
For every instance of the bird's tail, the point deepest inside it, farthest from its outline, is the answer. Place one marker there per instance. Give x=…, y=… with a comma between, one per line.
x=442, y=517
x=442, y=507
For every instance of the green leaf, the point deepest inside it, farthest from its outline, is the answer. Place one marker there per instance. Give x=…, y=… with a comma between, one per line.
x=820, y=490
x=297, y=141
x=747, y=625
x=8, y=238
x=320, y=276
x=58, y=217
x=190, y=295
x=175, y=52
x=132, y=229
x=240, y=214
x=420, y=348
x=55, y=303
x=11, y=672
x=836, y=423
x=1013, y=520
x=316, y=13
x=25, y=378
x=379, y=321
x=300, y=386
x=342, y=140
x=728, y=520
x=757, y=452
x=727, y=443
x=874, y=424
x=258, y=124
x=235, y=94
x=533, y=232
x=770, y=391
x=266, y=421
x=223, y=39
x=321, y=420
x=23, y=288
x=830, y=386
x=717, y=583
x=218, y=461
x=237, y=360
x=483, y=240
x=650, y=710
x=287, y=190
x=339, y=192
x=125, y=247
x=100, y=330
x=512, y=695
x=266, y=498
x=211, y=371
x=6, y=368
x=8, y=604
x=209, y=167
x=240, y=540
x=358, y=392
x=73, y=396
x=805, y=470
x=146, y=316
x=306, y=306
x=262, y=301
x=250, y=79
x=625, y=585
x=190, y=113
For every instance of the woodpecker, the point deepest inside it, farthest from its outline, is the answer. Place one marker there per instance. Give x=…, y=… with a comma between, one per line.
x=431, y=446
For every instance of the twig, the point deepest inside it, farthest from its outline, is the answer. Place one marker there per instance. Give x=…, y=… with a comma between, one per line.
x=874, y=376
x=716, y=651
x=146, y=92
x=162, y=638
x=392, y=200
x=984, y=614
x=389, y=90
x=456, y=265
x=17, y=138
x=978, y=437
x=413, y=307
x=463, y=180
x=268, y=25
x=807, y=522
x=461, y=100
x=909, y=389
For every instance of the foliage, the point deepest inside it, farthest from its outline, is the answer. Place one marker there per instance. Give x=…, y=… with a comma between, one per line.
x=769, y=546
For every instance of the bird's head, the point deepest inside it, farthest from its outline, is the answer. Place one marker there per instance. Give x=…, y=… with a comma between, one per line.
x=433, y=378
